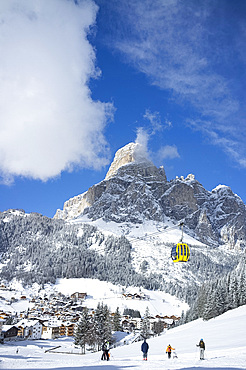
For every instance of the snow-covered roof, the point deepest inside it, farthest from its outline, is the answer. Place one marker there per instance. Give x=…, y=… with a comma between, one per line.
x=7, y=327
x=26, y=322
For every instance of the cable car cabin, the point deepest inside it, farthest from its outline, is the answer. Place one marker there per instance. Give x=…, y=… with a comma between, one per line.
x=180, y=253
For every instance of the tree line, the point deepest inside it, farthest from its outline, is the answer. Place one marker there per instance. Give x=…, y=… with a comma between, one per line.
x=219, y=295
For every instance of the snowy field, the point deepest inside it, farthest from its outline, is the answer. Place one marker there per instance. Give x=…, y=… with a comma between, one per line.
x=224, y=337
x=159, y=302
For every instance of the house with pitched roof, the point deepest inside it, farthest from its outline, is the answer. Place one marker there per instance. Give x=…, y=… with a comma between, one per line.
x=29, y=329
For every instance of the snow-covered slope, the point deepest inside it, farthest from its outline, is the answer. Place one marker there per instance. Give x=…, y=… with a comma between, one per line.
x=151, y=249
x=224, y=337
x=38, y=249
x=97, y=291
x=158, y=302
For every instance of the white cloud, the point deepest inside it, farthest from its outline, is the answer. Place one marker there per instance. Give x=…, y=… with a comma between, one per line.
x=141, y=152
x=168, y=152
x=48, y=120
x=156, y=122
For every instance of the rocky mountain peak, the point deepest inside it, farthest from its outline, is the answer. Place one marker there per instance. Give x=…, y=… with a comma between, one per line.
x=131, y=177
x=135, y=191
x=130, y=153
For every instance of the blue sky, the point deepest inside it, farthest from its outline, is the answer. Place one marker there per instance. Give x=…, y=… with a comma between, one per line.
x=79, y=80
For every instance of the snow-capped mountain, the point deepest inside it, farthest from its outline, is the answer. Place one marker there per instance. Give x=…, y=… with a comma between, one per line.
x=135, y=191
x=122, y=231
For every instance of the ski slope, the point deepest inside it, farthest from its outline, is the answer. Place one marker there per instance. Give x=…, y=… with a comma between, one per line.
x=224, y=337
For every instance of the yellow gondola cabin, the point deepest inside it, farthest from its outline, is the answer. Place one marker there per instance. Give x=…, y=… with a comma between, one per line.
x=180, y=253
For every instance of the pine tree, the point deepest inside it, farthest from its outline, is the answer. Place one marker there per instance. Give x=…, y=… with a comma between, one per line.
x=81, y=334
x=91, y=337
x=145, y=324
x=233, y=292
x=221, y=297
x=116, y=320
x=102, y=324
x=108, y=324
x=242, y=287
x=210, y=309
x=158, y=327
x=199, y=306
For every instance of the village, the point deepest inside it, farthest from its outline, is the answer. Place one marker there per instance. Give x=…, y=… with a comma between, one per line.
x=58, y=315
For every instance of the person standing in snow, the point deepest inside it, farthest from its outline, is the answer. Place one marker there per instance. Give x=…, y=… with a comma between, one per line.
x=105, y=349
x=202, y=349
x=169, y=350
x=144, y=349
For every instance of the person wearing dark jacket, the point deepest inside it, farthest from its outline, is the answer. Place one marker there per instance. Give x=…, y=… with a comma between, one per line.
x=105, y=349
x=202, y=349
x=144, y=349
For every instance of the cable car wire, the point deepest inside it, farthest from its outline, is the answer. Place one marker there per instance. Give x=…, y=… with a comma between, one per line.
x=180, y=252
x=157, y=233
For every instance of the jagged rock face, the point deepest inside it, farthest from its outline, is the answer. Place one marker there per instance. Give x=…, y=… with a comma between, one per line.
x=135, y=190
x=131, y=196
x=130, y=153
x=129, y=175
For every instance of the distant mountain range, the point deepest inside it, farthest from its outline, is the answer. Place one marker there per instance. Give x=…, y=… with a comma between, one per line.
x=122, y=230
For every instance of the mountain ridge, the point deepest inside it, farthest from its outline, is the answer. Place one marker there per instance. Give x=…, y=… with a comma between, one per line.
x=135, y=190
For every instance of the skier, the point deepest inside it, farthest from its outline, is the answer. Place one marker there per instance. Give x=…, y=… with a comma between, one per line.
x=202, y=349
x=144, y=349
x=169, y=350
x=105, y=349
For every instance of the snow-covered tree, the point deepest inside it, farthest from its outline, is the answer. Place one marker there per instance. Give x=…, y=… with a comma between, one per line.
x=102, y=325
x=145, y=331
x=220, y=295
x=158, y=327
x=117, y=320
x=82, y=331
